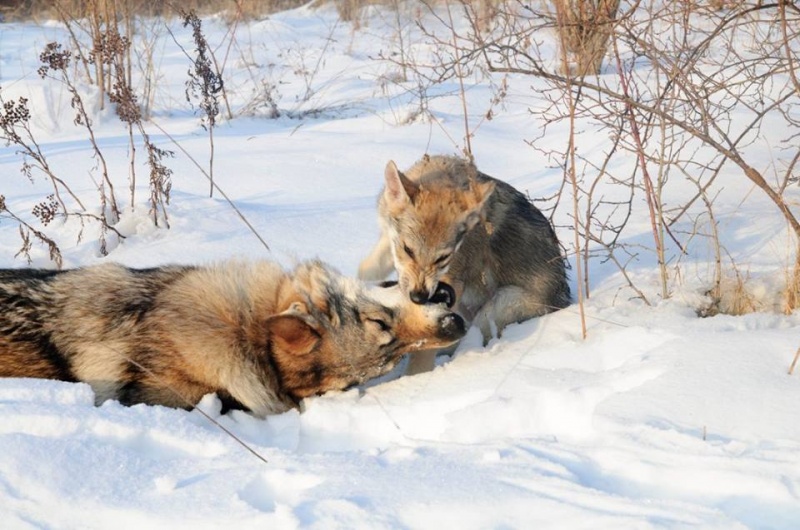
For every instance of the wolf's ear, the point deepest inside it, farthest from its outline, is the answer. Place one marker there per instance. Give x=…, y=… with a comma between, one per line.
x=292, y=333
x=399, y=189
x=481, y=191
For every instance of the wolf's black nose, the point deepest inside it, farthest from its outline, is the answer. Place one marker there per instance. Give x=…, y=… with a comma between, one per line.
x=452, y=326
x=419, y=297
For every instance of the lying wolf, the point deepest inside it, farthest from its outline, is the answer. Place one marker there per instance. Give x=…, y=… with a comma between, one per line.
x=260, y=337
x=443, y=220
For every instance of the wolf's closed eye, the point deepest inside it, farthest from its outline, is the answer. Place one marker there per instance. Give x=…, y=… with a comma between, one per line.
x=381, y=323
x=443, y=258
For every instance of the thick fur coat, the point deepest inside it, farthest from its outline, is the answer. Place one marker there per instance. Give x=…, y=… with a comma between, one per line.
x=443, y=220
x=260, y=337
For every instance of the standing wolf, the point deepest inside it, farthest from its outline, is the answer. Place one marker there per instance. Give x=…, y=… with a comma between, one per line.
x=261, y=337
x=445, y=220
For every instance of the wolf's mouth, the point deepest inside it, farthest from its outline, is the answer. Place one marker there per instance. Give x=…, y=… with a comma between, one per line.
x=444, y=294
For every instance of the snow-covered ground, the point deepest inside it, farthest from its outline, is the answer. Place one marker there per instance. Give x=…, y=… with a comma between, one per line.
x=658, y=419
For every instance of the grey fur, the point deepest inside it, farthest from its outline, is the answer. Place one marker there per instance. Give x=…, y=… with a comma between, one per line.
x=507, y=267
x=261, y=337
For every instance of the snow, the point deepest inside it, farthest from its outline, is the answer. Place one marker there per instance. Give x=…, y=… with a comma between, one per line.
x=657, y=419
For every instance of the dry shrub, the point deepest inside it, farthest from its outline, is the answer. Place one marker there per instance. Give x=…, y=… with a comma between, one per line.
x=234, y=10
x=350, y=10
x=81, y=9
x=485, y=10
x=584, y=28
x=736, y=297
x=252, y=9
x=22, y=9
x=732, y=297
x=792, y=294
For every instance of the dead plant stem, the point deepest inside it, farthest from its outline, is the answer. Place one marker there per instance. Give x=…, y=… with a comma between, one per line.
x=214, y=184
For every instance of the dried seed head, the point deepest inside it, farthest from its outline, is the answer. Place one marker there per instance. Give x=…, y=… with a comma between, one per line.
x=53, y=58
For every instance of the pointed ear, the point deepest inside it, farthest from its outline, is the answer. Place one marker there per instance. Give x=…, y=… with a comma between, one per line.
x=481, y=191
x=399, y=189
x=292, y=333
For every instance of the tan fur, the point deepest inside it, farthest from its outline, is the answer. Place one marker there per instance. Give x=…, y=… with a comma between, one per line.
x=445, y=221
x=24, y=361
x=258, y=335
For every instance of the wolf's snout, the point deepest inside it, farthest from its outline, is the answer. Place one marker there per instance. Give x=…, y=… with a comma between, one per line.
x=452, y=326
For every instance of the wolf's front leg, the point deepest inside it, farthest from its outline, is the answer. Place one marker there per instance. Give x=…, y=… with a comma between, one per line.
x=425, y=360
x=509, y=305
x=379, y=264
x=421, y=362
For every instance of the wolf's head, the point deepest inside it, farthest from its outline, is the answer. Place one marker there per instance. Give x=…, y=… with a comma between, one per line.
x=429, y=216
x=339, y=332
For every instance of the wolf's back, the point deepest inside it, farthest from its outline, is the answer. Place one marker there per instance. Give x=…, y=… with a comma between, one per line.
x=27, y=310
x=524, y=241
x=50, y=319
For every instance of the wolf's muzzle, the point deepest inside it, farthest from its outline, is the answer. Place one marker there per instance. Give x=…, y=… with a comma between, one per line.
x=419, y=297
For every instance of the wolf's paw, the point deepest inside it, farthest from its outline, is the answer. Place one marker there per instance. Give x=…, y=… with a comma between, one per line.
x=484, y=323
